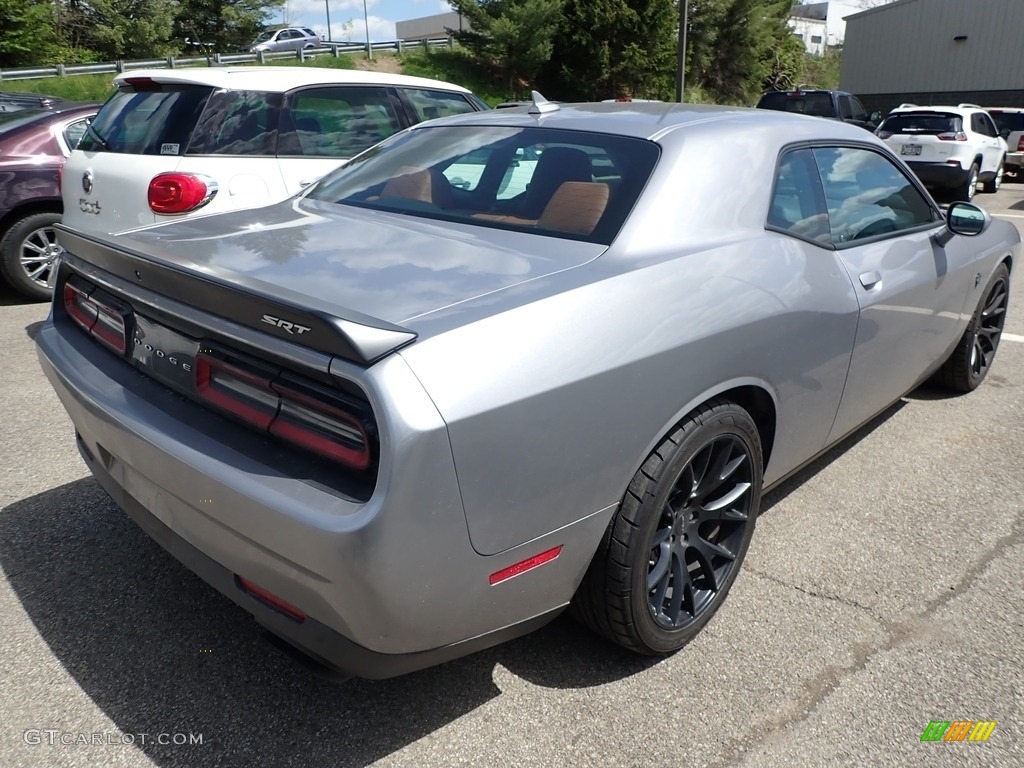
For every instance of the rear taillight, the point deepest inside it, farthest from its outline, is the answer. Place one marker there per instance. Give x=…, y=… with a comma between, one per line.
x=99, y=315
x=950, y=136
x=1020, y=144
x=300, y=413
x=883, y=134
x=180, y=192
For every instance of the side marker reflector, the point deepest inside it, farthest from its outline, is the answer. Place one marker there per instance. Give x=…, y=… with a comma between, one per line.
x=526, y=565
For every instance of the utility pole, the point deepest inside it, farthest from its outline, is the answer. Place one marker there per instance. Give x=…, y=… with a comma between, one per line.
x=327, y=5
x=366, y=23
x=684, y=11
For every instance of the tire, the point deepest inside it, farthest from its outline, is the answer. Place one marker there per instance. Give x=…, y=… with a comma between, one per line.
x=27, y=251
x=972, y=358
x=635, y=592
x=966, y=190
x=991, y=187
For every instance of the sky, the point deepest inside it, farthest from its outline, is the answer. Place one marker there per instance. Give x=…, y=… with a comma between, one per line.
x=382, y=16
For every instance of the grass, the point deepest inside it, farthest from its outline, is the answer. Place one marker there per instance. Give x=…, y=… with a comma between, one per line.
x=99, y=88
x=454, y=66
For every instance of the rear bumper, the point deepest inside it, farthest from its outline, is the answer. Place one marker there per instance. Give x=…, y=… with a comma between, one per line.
x=320, y=643
x=940, y=174
x=388, y=585
x=1014, y=160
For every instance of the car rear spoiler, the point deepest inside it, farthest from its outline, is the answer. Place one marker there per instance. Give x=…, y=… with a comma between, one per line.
x=350, y=335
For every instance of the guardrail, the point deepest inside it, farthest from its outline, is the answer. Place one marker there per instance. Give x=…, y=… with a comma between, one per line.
x=217, y=59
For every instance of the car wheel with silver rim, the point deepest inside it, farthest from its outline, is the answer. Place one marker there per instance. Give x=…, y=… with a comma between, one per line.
x=29, y=252
x=997, y=180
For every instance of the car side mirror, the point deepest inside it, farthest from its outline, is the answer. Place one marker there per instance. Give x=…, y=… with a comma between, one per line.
x=875, y=117
x=1005, y=133
x=966, y=219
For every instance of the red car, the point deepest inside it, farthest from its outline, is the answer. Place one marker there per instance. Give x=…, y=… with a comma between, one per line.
x=34, y=143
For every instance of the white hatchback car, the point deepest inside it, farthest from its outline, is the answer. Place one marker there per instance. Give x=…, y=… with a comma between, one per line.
x=177, y=143
x=951, y=149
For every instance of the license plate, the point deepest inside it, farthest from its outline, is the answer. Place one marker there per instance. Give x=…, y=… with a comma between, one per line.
x=910, y=149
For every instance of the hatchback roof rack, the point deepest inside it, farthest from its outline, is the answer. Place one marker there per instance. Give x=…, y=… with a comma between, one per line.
x=905, y=105
x=968, y=106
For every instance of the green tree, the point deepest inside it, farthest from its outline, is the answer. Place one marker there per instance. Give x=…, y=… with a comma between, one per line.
x=26, y=29
x=513, y=37
x=117, y=29
x=737, y=47
x=612, y=48
x=227, y=25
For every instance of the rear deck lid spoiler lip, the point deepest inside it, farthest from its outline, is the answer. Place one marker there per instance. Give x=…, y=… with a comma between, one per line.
x=347, y=334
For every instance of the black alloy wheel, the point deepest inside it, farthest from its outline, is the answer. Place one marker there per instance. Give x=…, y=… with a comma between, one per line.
x=974, y=354
x=676, y=543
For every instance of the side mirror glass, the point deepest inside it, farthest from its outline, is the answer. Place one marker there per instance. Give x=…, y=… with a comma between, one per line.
x=1005, y=133
x=966, y=219
x=875, y=117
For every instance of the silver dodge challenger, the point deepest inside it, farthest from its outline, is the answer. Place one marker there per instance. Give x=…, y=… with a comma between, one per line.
x=507, y=363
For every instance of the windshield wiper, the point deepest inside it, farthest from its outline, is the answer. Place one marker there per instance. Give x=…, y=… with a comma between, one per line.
x=96, y=135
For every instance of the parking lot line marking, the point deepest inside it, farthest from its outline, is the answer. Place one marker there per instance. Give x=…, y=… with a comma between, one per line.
x=1013, y=337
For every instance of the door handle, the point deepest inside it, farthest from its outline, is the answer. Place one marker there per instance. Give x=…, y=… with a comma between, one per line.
x=870, y=279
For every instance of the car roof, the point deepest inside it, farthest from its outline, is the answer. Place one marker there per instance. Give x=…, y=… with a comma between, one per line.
x=651, y=120
x=952, y=108
x=279, y=79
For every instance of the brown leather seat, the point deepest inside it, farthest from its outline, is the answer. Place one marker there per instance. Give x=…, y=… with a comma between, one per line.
x=575, y=208
x=409, y=184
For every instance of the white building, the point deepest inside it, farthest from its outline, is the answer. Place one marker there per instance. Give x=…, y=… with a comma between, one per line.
x=821, y=25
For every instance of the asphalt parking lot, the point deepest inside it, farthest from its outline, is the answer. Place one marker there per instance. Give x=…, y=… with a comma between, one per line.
x=882, y=592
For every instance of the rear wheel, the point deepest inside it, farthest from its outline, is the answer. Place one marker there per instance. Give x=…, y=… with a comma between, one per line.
x=675, y=545
x=966, y=190
x=997, y=180
x=28, y=252
x=967, y=367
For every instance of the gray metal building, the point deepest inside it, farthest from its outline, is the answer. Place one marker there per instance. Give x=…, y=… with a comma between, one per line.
x=936, y=52
x=430, y=27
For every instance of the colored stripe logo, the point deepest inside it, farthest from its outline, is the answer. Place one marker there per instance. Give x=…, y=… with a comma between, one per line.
x=958, y=730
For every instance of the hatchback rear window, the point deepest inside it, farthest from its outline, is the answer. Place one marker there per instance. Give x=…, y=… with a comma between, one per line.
x=1008, y=121
x=146, y=121
x=817, y=104
x=928, y=123
x=570, y=184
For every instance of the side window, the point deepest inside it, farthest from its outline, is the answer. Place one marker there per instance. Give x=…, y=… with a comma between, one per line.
x=466, y=171
x=991, y=126
x=237, y=123
x=845, y=108
x=797, y=205
x=426, y=105
x=859, y=113
x=336, y=121
x=867, y=195
x=74, y=133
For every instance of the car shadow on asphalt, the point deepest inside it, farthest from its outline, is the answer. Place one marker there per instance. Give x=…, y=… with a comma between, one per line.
x=159, y=651
x=11, y=298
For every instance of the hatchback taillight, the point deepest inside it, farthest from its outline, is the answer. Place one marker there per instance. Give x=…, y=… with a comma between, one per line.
x=951, y=136
x=98, y=315
x=1020, y=143
x=180, y=192
x=297, y=412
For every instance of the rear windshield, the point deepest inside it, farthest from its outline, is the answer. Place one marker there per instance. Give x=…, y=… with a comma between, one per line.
x=817, y=104
x=559, y=183
x=931, y=123
x=146, y=122
x=12, y=121
x=1008, y=121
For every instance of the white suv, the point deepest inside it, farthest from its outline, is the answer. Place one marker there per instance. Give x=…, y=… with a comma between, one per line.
x=1010, y=122
x=177, y=143
x=950, y=149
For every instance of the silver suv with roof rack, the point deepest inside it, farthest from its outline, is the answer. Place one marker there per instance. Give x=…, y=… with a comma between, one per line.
x=951, y=149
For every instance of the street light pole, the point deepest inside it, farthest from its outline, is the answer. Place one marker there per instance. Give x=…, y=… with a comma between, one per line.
x=366, y=23
x=684, y=9
x=328, y=7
